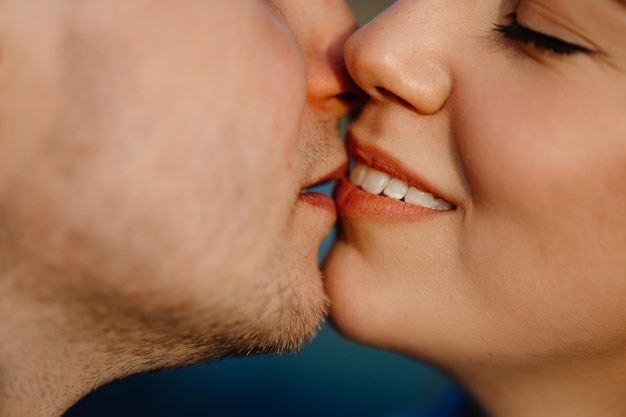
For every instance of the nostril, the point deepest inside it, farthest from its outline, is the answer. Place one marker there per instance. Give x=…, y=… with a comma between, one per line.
x=389, y=96
x=354, y=100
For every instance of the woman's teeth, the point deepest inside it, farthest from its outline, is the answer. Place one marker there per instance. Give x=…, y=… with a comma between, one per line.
x=376, y=182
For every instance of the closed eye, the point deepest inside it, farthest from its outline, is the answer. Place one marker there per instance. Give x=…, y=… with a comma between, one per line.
x=514, y=31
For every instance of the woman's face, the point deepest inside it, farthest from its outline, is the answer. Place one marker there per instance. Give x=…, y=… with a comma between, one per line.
x=506, y=121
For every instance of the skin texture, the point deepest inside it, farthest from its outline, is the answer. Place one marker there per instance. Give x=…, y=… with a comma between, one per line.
x=519, y=292
x=152, y=159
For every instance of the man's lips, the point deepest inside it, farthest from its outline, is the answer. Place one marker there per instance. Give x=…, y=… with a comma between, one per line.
x=332, y=175
x=318, y=199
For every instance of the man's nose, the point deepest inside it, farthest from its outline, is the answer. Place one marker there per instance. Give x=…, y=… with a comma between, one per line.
x=330, y=87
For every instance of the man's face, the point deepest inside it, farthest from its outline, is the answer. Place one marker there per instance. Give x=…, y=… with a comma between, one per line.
x=153, y=155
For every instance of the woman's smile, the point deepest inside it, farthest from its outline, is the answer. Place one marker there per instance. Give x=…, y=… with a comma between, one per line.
x=378, y=183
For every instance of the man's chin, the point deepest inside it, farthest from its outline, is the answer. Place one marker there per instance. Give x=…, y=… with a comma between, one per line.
x=282, y=320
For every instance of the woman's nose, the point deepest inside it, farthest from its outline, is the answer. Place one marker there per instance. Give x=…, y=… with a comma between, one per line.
x=398, y=58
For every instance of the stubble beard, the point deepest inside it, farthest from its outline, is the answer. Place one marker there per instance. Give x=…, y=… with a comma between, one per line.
x=277, y=314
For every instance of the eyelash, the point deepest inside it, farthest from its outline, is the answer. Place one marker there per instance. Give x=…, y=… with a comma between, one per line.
x=540, y=41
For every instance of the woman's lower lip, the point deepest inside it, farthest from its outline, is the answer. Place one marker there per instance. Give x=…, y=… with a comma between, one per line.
x=354, y=203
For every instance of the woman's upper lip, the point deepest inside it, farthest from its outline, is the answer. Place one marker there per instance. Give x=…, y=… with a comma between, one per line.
x=382, y=161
